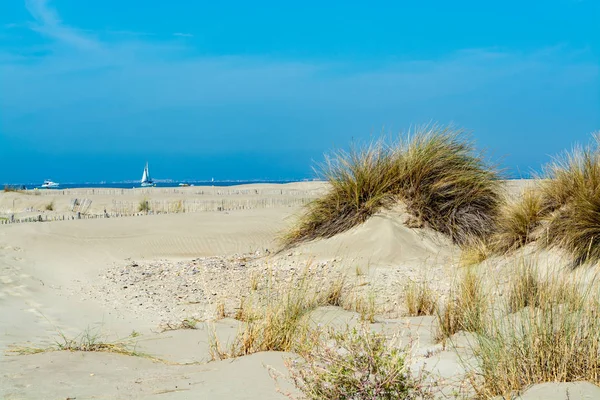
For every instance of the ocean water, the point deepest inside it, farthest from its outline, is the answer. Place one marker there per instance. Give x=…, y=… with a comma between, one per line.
x=130, y=185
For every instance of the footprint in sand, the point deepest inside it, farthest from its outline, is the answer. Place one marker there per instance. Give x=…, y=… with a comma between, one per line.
x=13, y=248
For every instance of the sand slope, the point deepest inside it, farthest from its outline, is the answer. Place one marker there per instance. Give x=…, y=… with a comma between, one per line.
x=51, y=274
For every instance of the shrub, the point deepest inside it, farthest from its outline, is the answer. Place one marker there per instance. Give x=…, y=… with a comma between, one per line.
x=49, y=206
x=436, y=172
x=357, y=364
x=517, y=222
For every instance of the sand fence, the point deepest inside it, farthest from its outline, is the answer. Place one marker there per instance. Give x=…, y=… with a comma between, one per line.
x=127, y=202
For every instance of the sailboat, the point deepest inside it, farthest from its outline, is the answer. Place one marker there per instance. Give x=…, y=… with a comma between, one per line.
x=146, y=180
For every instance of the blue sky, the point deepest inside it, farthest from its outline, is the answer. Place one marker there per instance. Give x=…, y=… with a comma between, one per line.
x=90, y=90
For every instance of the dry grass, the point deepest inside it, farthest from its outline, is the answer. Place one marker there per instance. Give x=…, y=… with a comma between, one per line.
x=474, y=252
x=517, y=222
x=571, y=201
x=9, y=188
x=144, y=205
x=277, y=318
x=357, y=364
x=447, y=184
x=362, y=181
x=420, y=299
x=254, y=280
x=465, y=308
x=436, y=172
x=529, y=289
x=333, y=293
x=555, y=337
x=220, y=311
x=276, y=321
x=365, y=305
x=90, y=341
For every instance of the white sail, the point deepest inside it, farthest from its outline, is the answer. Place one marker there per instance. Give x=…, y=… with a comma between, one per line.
x=146, y=180
x=145, y=175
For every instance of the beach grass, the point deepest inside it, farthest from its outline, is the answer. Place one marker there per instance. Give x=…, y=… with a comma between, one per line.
x=465, y=307
x=273, y=321
x=144, y=205
x=420, y=299
x=519, y=218
x=475, y=252
x=571, y=203
x=435, y=171
x=362, y=181
x=551, y=333
x=90, y=340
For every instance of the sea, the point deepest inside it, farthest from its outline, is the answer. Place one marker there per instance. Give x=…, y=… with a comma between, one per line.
x=136, y=184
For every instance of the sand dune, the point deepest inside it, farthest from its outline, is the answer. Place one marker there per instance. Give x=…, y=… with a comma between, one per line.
x=54, y=279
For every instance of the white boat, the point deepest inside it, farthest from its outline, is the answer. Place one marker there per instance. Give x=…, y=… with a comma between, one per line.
x=146, y=180
x=48, y=184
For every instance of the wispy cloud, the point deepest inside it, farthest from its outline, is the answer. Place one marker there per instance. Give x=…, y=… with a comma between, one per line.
x=48, y=23
x=183, y=34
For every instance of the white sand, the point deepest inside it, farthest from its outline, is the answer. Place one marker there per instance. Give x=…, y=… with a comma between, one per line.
x=69, y=276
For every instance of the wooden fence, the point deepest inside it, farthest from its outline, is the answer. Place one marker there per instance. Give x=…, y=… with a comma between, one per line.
x=122, y=208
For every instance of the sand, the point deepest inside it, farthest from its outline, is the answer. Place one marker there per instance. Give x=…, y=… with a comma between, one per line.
x=137, y=277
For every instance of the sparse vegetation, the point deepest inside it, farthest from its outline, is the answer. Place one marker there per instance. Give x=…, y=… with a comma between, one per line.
x=333, y=293
x=49, y=206
x=9, y=188
x=178, y=206
x=517, y=222
x=220, y=312
x=275, y=322
x=436, y=172
x=89, y=340
x=144, y=205
x=366, y=306
x=465, y=307
x=553, y=335
x=254, y=280
x=357, y=364
x=420, y=299
x=474, y=252
x=277, y=319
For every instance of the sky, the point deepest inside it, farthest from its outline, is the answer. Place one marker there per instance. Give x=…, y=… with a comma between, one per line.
x=91, y=90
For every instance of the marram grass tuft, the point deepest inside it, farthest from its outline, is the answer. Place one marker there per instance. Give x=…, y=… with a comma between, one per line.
x=435, y=171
